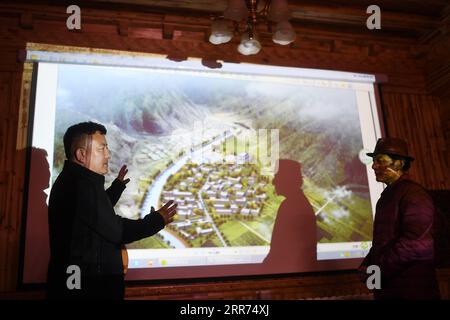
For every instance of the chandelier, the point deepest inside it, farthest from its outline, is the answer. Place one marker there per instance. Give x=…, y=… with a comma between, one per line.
x=252, y=13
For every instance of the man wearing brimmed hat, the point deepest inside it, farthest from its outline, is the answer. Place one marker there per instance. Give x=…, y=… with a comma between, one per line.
x=402, y=237
x=390, y=159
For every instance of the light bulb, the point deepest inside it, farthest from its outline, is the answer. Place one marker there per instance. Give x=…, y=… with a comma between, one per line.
x=220, y=32
x=249, y=45
x=284, y=33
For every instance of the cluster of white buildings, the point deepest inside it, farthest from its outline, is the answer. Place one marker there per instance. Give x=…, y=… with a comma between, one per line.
x=224, y=192
x=217, y=191
x=186, y=201
x=154, y=152
x=202, y=227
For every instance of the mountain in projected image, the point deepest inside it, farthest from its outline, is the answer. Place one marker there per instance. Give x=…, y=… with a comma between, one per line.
x=153, y=118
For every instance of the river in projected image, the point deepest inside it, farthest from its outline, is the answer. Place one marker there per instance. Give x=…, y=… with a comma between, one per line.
x=180, y=135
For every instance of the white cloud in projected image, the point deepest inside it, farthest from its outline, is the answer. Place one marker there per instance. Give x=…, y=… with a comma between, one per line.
x=315, y=102
x=150, y=116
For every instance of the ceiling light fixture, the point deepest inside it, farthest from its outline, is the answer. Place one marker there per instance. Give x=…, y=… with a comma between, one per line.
x=253, y=12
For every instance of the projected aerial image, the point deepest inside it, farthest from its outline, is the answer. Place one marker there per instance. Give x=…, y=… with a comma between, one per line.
x=207, y=141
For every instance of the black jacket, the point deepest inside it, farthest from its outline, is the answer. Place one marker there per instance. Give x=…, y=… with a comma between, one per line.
x=86, y=232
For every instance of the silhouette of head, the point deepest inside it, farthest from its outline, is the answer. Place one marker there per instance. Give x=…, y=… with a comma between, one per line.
x=288, y=178
x=42, y=175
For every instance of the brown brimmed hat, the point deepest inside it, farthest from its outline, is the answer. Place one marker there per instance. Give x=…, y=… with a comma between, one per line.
x=393, y=146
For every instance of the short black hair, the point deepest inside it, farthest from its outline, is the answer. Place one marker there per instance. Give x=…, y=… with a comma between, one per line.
x=406, y=164
x=78, y=130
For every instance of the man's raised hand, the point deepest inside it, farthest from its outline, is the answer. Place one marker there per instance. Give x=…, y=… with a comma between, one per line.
x=121, y=176
x=167, y=211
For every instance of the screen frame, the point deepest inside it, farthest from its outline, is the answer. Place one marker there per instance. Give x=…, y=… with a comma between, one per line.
x=32, y=105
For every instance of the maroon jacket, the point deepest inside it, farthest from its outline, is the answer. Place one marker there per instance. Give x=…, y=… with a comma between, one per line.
x=403, y=242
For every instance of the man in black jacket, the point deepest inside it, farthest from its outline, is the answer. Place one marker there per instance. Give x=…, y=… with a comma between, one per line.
x=85, y=233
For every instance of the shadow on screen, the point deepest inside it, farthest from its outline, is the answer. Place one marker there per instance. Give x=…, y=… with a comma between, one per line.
x=294, y=236
x=37, y=249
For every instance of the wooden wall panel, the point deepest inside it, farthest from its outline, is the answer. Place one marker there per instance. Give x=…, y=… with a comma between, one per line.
x=11, y=180
x=445, y=118
x=308, y=286
x=416, y=118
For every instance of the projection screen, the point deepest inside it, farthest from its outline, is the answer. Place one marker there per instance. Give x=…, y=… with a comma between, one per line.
x=212, y=140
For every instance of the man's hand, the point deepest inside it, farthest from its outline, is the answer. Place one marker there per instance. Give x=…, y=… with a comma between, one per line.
x=122, y=173
x=167, y=211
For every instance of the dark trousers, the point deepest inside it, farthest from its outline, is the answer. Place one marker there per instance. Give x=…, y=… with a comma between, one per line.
x=415, y=282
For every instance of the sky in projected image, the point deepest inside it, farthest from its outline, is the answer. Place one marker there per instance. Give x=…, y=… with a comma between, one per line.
x=157, y=122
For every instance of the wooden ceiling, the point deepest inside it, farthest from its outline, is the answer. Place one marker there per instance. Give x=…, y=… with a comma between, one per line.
x=409, y=19
x=431, y=8
x=405, y=18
